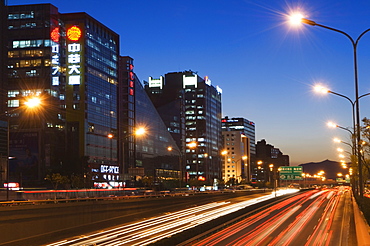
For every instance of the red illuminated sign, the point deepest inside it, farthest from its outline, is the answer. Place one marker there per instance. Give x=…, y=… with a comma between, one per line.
x=201, y=178
x=54, y=35
x=74, y=33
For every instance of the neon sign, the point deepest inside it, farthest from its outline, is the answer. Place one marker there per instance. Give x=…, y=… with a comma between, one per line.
x=55, y=55
x=74, y=55
x=74, y=33
x=109, y=169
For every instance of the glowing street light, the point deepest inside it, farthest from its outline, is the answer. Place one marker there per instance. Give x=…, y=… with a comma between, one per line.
x=357, y=124
x=296, y=19
x=140, y=131
x=181, y=157
x=337, y=140
x=31, y=103
x=192, y=145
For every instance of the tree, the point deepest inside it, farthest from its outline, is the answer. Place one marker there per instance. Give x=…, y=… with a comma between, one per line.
x=365, y=149
x=56, y=179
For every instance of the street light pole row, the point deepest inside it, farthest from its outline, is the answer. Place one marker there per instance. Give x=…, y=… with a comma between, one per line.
x=357, y=108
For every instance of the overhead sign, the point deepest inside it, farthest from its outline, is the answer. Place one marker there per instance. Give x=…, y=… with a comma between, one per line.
x=290, y=173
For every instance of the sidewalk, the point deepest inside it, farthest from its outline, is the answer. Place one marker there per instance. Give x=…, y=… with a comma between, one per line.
x=362, y=228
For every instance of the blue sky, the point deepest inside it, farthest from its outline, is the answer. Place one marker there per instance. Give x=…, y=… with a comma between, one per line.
x=265, y=67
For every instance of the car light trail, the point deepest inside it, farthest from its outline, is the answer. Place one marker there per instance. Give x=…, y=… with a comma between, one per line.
x=151, y=230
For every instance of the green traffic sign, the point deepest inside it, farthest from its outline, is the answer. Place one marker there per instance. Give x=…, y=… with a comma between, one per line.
x=291, y=173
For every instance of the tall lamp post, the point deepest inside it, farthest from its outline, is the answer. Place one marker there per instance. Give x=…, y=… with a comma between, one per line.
x=30, y=103
x=138, y=132
x=357, y=129
x=321, y=89
x=181, y=156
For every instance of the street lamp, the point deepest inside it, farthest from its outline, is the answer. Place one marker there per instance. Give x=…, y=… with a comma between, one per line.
x=181, y=156
x=140, y=131
x=192, y=145
x=31, y=103
x=358, y=132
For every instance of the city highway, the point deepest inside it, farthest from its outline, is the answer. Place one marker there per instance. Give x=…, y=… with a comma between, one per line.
x=310, y=218
x=148, y=231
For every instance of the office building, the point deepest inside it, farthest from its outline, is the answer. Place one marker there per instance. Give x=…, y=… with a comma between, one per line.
x=244, y=126
x=266, y=155
x=71, y=61
x=147, y=155
x=236, y=157
x=3, y=85
x=190, y=106
x=92, y=103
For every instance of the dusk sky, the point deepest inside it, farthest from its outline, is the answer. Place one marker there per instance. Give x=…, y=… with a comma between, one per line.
x=265, y=67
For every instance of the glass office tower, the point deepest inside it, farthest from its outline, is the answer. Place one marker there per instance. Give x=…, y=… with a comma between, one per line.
x=146, y=155
x=193, y=114
x=34, y=52
x=71, y=61
x=92, y=52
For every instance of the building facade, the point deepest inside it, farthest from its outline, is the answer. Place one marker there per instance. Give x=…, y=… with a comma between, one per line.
x=236, y=157
x=70, y=61
x=33, y=39
x=191, y=109
x=91, y=96
x=3, y=92
x=244, y=126
x=267, y=155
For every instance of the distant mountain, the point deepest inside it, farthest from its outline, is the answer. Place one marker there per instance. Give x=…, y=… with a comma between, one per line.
x=331, y=168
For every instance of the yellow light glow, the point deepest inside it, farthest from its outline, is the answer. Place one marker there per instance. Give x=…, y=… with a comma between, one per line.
x=224, y=152
x=337, y=140
x=110, y=135
x=331, y=124
x=244, y=157
x=140, y=131
x=192, y=145
x=169, y=148
x=33, y=102
x=295, y=19
x=321, y=89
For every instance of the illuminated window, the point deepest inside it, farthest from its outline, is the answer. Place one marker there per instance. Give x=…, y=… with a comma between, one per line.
x=13, y=103
x=13, y=93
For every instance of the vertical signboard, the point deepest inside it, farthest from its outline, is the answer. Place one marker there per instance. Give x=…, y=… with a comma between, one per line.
x=55, y=56
x=74, y=52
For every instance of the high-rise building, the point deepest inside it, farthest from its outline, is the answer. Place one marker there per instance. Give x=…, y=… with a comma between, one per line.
x=266, y=155
x=71, y=60
x=3, y=92
x=34, y=64
x=244, y=126
x=190, y=106
x=91, y=90
x=143, y=155
x=92, y=103
x=236, y=157
x=248, y=129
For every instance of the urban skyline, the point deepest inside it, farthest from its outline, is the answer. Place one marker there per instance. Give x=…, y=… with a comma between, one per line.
x=258, y=60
